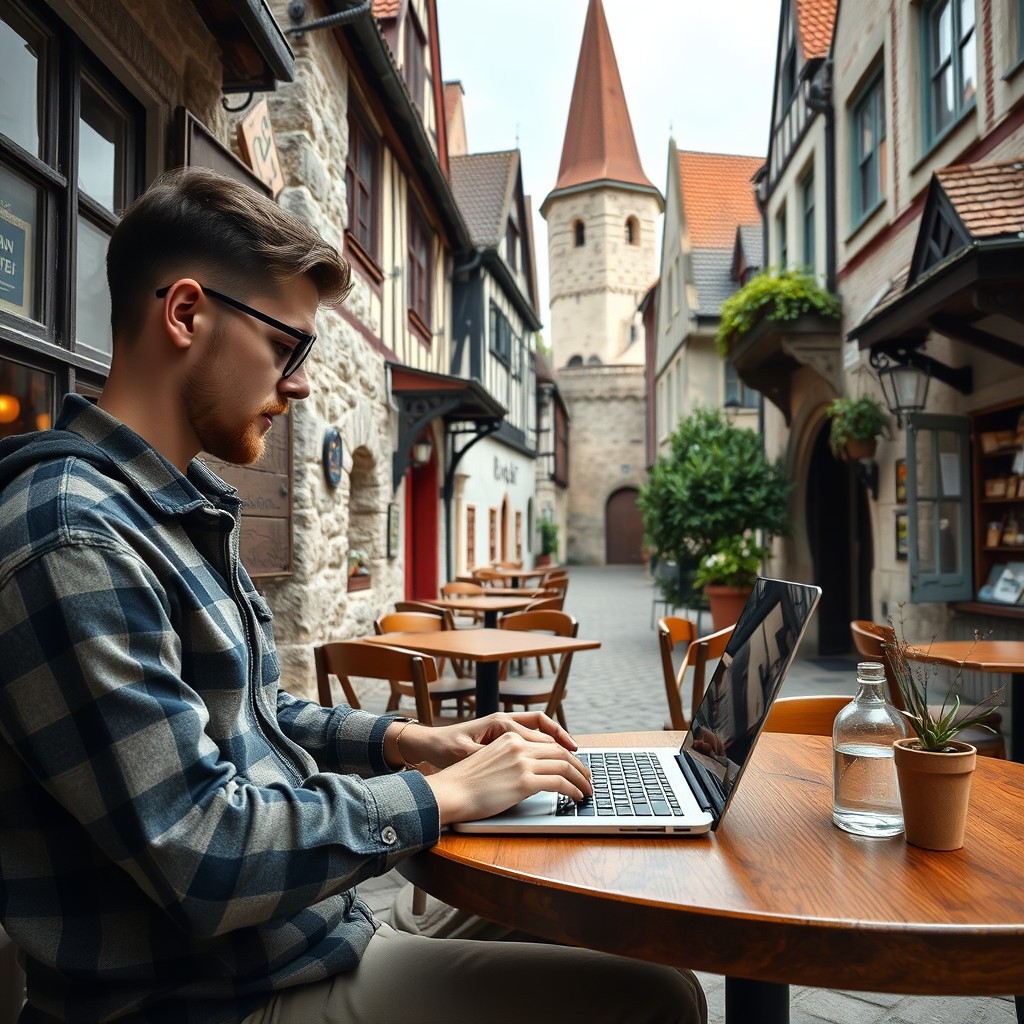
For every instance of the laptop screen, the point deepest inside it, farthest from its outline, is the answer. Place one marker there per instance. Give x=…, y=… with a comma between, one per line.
x=747, y=680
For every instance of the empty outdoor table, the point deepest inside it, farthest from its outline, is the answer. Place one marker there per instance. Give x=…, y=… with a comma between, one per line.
x=985, y=656
x=488, y=648
x=778, y=894
x=490, y=604
x=519, y=576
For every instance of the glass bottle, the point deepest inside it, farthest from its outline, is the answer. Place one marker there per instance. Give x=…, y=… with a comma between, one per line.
x=865, y=794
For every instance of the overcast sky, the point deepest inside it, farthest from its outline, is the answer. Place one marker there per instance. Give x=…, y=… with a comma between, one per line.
x=699, y=71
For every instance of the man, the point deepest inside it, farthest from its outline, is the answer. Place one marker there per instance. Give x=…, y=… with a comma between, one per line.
x=179, y=837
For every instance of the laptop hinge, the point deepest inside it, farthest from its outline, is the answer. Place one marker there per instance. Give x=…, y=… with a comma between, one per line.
x=702, y=783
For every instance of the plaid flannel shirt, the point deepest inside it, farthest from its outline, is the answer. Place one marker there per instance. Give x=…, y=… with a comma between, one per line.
x=178, y=836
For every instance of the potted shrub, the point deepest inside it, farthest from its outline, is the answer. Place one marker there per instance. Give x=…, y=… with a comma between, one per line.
x=782, y=295
x=727, y=577
x=714, y=487
x=857, y=423
x=548, y=530
x=933, y=767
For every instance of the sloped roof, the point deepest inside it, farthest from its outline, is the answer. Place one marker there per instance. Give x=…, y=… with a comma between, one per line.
x=599, y=142
x=815, y=22
x=988, y=198
x=482, y=184
x=717, y=196
x=752, y=240
x=712, y=276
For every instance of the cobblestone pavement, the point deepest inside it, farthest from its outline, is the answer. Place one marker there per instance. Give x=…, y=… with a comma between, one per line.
x=619, y=688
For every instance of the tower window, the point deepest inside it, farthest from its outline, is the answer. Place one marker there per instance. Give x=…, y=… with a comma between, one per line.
x=579, y=234
x=632, y=231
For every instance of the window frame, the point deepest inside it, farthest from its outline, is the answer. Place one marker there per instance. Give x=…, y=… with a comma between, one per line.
x=420, y=253
x=579, y=233
x=871, y=95
x=500, y=335
x=362, y=141
x=746, y=397
x=938, y=585
x=415, y=60
x=782, y=237
x=807, y=212
x=930, y=72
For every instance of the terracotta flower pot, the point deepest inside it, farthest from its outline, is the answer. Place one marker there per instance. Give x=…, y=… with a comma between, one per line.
x=726, y=603
x=857, y=449
x=935, y=791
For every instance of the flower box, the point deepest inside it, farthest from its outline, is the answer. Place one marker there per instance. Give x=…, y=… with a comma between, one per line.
x=356, y=582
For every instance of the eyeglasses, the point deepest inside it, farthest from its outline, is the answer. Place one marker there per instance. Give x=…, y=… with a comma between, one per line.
x=305, y=341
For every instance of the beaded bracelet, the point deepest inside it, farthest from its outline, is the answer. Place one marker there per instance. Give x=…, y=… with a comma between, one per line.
x=398, y=744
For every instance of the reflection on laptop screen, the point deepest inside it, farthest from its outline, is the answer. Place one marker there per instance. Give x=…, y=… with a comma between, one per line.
x=746, y=681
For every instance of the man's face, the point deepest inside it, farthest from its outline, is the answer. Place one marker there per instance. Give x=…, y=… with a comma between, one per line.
x=236, y=388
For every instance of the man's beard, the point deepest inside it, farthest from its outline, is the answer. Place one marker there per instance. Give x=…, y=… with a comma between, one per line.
x=241, y=441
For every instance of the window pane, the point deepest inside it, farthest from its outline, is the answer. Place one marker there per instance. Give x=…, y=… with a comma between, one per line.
x=969, y=71
x=950, y=555
x=942, y=100
x=92, y=300
x=26, y=399
x=101, y=150
x=942, y=34
x=20, y=85
x=20, y=232
x=966, y=17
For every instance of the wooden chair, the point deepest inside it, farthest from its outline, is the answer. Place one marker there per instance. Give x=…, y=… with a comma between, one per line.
x=870, y=639
x=489, y=576
x=449, y=623
x=699, y=651
x=507, y=565
x=517, y=690
x=811, y=716
x=347, y=658
x=463, y=588
x=441, y=689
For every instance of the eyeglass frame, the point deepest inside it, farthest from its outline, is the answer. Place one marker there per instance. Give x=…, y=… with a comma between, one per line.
x=305, y=341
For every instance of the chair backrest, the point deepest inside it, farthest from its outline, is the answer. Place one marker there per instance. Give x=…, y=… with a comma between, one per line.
x=557, y=623
x=457, y=587
x=409, y=622
x=811, y=715
x=347, y=658
x=507, y=565
x=699, y=652
x=556, y=602
x=870, y=639
x=427, y=609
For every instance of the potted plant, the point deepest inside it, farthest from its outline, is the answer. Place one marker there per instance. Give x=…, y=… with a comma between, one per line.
x=715, y=486
x=358, y=570
x=727, y=576
x=548, y=530
x=857, y=423
x=933, y=767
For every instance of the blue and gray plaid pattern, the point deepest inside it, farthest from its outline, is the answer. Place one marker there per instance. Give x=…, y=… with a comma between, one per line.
x=178, y=836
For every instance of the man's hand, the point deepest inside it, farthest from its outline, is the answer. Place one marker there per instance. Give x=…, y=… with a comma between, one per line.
x=491, y=763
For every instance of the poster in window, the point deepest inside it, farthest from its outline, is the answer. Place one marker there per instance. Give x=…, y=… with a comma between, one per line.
x=15, y=261
x=902, y=537
x=901, y=481
x=1010, y=585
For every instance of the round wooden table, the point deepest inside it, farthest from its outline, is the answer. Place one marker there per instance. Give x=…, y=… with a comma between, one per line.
x=778, y=894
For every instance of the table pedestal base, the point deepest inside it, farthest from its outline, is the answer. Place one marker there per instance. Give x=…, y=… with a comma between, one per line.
x=763, y=1001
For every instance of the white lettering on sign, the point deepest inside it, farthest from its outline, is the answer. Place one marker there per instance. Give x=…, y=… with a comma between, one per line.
x=8, y=266
x=505, y=471
x=7, y=244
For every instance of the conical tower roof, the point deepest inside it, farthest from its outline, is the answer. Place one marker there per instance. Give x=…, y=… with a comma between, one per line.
x=599, y=143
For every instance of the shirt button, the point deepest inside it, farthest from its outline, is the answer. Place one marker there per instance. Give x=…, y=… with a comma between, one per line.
x=389, y=836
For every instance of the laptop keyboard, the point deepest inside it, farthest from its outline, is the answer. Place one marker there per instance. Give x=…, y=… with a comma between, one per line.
x=626, y=784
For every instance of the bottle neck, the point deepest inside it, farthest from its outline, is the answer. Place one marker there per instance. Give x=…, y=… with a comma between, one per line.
x=870, y=689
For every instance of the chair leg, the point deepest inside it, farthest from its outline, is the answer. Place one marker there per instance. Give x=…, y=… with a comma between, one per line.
x=1018, y=1005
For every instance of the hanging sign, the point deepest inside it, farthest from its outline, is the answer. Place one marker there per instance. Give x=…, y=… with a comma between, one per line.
x=256, y=140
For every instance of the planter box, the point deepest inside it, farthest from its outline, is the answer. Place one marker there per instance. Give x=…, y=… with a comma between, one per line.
x=359, y=582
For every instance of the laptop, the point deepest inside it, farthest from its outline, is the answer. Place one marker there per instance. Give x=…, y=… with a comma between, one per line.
x=664, y=792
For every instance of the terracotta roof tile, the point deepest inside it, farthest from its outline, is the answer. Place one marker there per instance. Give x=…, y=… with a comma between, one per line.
x=599, y=142
x=989, y=198
x=717, y=196
x=384, y=9
x=815, y=22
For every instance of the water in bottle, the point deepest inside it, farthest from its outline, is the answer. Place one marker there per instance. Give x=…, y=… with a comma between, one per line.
x=865, y=793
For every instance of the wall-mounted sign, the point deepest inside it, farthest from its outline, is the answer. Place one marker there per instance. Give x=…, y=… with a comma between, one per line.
x=333, y=450
x=256, y=139
x=506, y=471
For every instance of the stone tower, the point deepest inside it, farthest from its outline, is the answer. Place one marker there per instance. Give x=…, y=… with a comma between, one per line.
x=602, y=221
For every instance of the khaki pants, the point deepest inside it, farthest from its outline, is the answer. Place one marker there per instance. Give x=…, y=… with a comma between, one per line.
x=408, y=978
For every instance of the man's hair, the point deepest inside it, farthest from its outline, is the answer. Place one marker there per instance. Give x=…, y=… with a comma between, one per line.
x=196, y=222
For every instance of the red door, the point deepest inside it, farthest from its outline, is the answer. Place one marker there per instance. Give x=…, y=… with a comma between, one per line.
x=421, y=520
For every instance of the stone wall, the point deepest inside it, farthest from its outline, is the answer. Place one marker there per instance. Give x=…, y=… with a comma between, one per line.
x=606, y=450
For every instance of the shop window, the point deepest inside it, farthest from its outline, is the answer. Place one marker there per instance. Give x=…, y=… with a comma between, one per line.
x=59, y=106
x=26, y=399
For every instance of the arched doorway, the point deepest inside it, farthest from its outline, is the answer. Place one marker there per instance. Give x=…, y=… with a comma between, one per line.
x=839, y=535
x=623, y=529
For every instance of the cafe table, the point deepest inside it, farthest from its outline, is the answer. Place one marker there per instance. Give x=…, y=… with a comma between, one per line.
x=488, y=648
x=777, y=896
x=490, y=604
x=517, y=577
x=985, y=656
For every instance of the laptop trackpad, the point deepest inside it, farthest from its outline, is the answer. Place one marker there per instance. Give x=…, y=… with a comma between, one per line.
x=540, y=805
